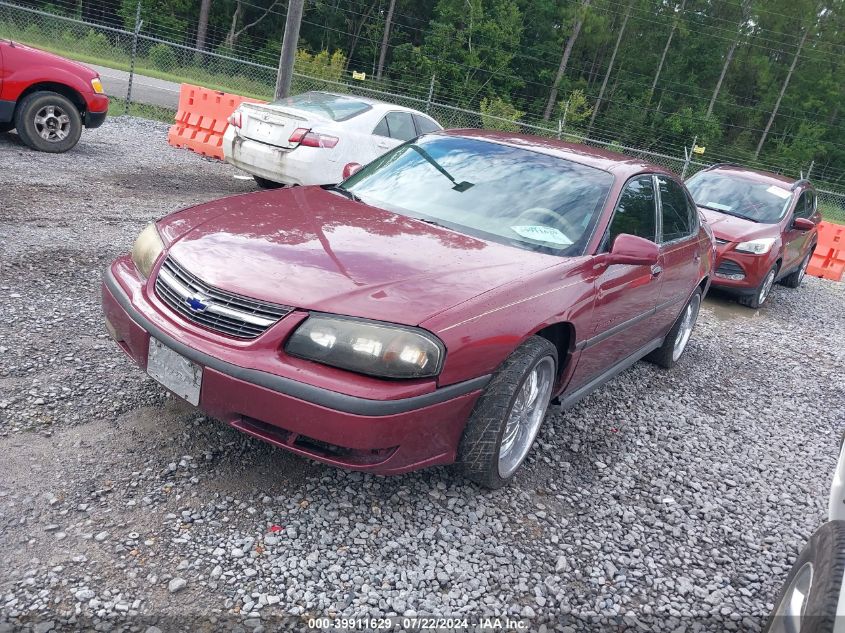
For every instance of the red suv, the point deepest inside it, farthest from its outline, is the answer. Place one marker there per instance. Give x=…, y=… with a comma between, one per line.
x=426, y=311
x=47, y=98
x=765, y=227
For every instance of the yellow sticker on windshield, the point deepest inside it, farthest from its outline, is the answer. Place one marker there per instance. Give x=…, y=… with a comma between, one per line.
x=542, y=234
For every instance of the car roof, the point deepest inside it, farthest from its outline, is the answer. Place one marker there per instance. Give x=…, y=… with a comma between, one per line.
x=756, y=175
x=619, y=164
x=375, y=103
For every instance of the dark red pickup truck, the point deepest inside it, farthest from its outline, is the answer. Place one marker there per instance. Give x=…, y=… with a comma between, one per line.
x=48, y=99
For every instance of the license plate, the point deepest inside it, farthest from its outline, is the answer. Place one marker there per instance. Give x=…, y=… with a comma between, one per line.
x=175, y=372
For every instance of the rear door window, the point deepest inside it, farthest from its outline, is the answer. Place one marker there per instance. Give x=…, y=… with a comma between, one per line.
x=382, y=129
x=401, y=126
x=425, y=125
x=806, y=205
x=675, y=210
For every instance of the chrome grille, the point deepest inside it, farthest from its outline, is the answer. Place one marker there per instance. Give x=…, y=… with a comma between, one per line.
x=223, y=311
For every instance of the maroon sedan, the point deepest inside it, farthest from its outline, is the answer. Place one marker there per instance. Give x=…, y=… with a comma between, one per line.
x=427, y=310
x=765, y=227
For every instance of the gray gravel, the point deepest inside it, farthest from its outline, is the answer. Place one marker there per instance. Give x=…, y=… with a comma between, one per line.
x=665, y=501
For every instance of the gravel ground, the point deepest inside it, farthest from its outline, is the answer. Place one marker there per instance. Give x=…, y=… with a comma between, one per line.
x=665, y=501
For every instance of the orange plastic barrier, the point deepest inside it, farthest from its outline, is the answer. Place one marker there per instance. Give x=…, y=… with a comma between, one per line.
x=829, y=257
x=202, y=118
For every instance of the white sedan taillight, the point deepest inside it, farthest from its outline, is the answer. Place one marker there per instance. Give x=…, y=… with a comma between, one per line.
x=306, y=137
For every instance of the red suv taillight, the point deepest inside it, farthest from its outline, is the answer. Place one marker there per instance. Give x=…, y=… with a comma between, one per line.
x=235, y=119
x=306, y=137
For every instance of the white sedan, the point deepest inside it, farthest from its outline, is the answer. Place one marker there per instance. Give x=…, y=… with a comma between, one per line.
x=309, y=138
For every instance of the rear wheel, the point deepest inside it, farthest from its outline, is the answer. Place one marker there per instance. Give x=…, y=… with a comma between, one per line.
x=668, y=354
x=793, y=280
x=267, y=184
x=508, y=415
x=762, y=293
x=48, y=122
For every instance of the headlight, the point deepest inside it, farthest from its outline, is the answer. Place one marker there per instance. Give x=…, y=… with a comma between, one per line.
x=146, y=249
x=97, y=85
x=757, y=247
x=367, y=347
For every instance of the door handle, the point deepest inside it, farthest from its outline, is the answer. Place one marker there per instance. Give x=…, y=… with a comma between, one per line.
x=697, y=257
x=656, y=270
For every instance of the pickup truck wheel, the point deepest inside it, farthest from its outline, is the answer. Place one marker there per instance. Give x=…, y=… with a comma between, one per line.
x=48, y=122
x=508, y=415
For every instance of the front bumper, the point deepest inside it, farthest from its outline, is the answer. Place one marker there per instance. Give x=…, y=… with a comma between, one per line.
x=388, y=436
x=298, y=166
x=753, y=268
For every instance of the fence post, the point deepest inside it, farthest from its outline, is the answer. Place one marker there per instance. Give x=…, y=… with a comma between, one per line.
x=430, y=95
x=810, y=168
x=688, y=157
x=138, y=23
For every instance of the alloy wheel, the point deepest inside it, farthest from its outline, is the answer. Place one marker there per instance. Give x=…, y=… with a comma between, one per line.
x=526, y=415
x=688, y=320
x=52, y=123
x=766, y=287
x=789, y=613
x=803, y=270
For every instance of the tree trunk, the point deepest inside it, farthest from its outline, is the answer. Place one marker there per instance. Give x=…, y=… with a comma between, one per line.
x=231, y=36
x=564, y=60
x=729, y=58
x=610, y=66
x=782, y=91
x=202, y=24
x=665, y=51
x=384, y=40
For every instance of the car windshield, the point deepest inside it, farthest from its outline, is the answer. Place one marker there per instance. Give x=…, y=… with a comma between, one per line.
x=739, y=196
x=335, y=107
x=489, y=190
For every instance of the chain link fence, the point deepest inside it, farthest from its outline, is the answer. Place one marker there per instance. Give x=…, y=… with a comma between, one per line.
x=150, y=66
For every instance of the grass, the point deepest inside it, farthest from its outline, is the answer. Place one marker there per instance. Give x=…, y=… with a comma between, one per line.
x=117, y=107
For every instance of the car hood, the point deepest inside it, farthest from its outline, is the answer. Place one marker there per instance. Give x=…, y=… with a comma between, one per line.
x=36, y=55
x=313, y=249
x=734, y=229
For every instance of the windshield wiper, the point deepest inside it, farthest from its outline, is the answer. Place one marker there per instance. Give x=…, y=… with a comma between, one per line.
x=344, y=192
x=726, y=212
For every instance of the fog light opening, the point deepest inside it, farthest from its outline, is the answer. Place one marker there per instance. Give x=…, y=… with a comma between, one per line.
x=113, y=332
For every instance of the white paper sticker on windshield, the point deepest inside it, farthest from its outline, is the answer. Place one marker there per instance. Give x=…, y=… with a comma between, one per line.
x=780, y=192
x=717, y=206
x=542, y=234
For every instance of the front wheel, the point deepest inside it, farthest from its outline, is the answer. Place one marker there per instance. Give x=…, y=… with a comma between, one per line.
x=48, y=122
x=508, y=415
x=762, y=293
x=668, y=354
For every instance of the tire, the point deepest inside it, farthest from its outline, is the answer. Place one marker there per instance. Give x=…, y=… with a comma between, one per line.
x=267, y=184
x=7, y=127
x=668, y=354
x=481, y=444
x=824, y=557
x=762, y=292
x=793, y=280
x=60, y=126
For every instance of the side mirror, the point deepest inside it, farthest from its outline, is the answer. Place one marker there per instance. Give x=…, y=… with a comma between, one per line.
x=633, y=250
x=350, y=168
x=803, y=224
